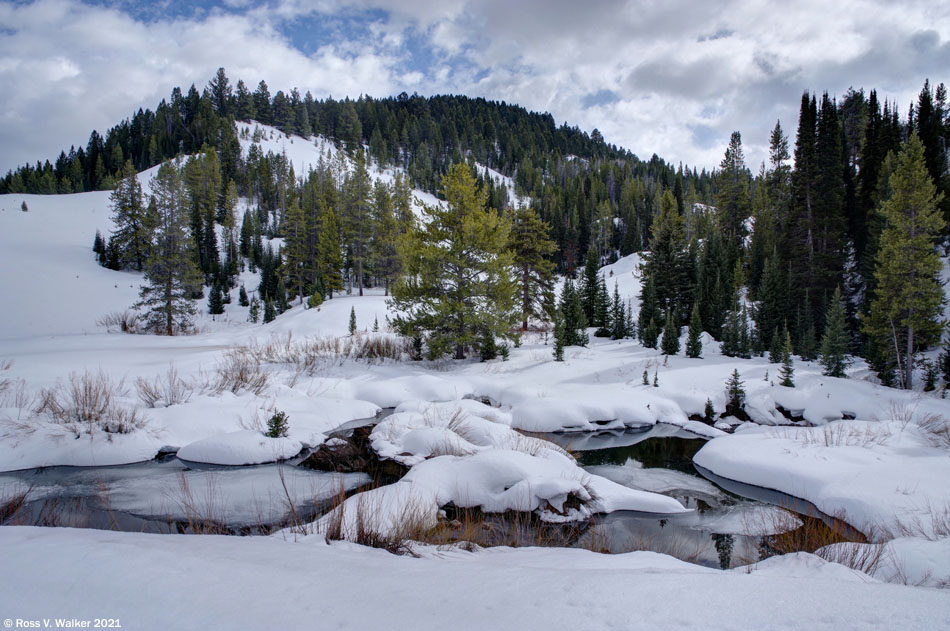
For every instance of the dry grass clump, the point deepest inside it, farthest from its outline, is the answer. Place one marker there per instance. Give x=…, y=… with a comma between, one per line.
x=839, y=434
x=937, y=430
x=365, y=524
x=12, y=502
x=127, y=321
x=165, y=390
x=863, y=557
x=317, y=353
x=240, y=370
x=89, y=402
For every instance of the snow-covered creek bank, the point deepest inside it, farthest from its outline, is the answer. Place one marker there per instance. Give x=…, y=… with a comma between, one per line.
x=725, y=527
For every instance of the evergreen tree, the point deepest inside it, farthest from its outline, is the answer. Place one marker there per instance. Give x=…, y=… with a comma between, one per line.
x=457, y=282
x=732, y=201
x=532, y=250
x=709, y=412
x=559, y=336
x=269, y=311
x=352, y=327
x=776, y=348
x=694, y=343
x=487, y=349
x=575, y=322
x=771, y=312
x=905, y=312
x=242, y=297
x=787, y=371
x=602, y=310
x=735, y=396
x=133, y=227
x=298, y=265
x=590, y=285
x=943, y=362
x=170, y=272
x=617, y=318
x=668, y=265
x=383, y=248
x=255, y=311
x=650, y=334
x=216, y=300
x=670, y=344
x=834, y=343
x=649, y=313
x=358, y=224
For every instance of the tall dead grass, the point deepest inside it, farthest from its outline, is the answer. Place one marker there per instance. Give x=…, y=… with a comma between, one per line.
x=87, y=403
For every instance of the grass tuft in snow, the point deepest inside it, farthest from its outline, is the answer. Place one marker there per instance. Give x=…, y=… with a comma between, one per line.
x=165, y=390
x=89, y=402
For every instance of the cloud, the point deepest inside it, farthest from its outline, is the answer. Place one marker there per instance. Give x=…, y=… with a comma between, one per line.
x=673, y=78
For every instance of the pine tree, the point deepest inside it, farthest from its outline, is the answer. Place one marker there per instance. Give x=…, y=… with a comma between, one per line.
x=668, y=266
x=170, y=273
x=383, y=249
x=776, y=348
x=254, y=313
x=733, y=201
x=487, y=348
x=618, y=317
x=216, y=300
x=694, y=343
x=670, y=344
x=532, y=248
x=787, y=371
x=943, y=362
x=735, y=396
x=649, y=312
x=650, y=334
x=458, y=281
x=709, y=412
x=834, y=343
x=602, y=310
x=559, y=336
x=298, y=265
x=590, y=285
x=575, y=321
x=24, y=207
x=905, y=312
x=358, y=224
x=352, y=327
x=269, y=311
x=133, y=232
x=242, y=297
x=376, y=324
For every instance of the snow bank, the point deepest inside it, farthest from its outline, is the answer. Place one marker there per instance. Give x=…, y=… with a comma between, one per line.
x=161, y=581
x=244, y=447
x=880, y=477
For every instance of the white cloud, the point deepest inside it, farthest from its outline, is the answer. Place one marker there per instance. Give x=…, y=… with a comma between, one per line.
x=673, y=78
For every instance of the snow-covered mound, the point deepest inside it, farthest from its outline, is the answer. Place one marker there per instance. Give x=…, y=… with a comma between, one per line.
x=880, y=477
x=243, y=447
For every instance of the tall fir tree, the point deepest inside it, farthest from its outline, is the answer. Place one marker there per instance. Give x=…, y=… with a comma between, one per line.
x=133, y=225
x=170, y=272
x=590, y=285
x=668, y=265
x=575, y=321
x=532, y=248
x=787, y=372
x=670, y=344
x=835, y=341
x=694, y=343
x=905, y=312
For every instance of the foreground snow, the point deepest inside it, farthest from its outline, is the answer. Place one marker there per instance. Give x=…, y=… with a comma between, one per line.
x=211, y=582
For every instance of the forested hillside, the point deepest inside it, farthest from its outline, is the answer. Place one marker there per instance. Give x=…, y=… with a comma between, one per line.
x=758, y=258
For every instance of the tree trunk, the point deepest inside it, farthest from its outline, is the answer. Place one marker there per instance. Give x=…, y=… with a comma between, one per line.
x=909, y=363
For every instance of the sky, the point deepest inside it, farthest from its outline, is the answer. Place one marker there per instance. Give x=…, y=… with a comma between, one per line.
x=668, y=77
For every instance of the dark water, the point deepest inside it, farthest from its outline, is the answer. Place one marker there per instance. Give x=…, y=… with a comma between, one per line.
x=731, y=524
